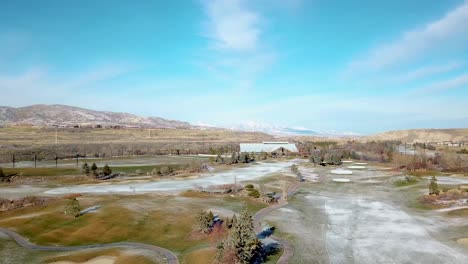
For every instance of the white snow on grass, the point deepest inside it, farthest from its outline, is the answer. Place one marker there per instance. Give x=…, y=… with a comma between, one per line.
x=360, y=163
x=357, y=167
x=341, y=180
x=363, y=231
x=176, y=185
x=347, y=161
x=450, y=180
x=341, y=172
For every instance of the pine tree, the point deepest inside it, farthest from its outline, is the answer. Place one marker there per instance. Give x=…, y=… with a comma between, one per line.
x=205, y=223
x=73, y=207
x=210, y=215
x=242, y=242
x=107, y=170
x=433, y=186
x=234, y=220
x=85, y=169
x=94, y=168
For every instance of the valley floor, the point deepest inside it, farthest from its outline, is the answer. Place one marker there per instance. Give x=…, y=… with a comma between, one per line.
x=369, y=219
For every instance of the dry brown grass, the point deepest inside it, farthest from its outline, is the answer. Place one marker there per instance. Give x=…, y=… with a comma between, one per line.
x=201, y=256
x=164, y=221
x=46, y=136
x=122, y=258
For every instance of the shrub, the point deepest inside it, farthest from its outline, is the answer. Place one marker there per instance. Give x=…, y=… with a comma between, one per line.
x=107, y=170
x=249, y=186
x=254, y=193
x=165, y=170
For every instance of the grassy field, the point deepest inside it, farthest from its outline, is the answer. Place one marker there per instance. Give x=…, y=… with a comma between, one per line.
x=121, y=257
x=24, y=142
x=46, y=136
x=10, y=252
x=166, y=221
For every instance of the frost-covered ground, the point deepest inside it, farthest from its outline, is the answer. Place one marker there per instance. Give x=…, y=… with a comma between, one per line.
x=206, y=180
x=368, y=221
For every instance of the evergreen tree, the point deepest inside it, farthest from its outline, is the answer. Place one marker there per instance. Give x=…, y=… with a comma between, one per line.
x=204, y=221
x=234, y=220
x=85, y=169
x=228, y=222
x=73, y=207
x=94, y=168
x=242, y=242
x=107, y=170
x=210, y=215
x=433, y=186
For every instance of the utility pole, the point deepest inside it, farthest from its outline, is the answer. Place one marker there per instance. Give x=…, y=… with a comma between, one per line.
x=56, y=160
x=14, y=160
x=35, y=160
x=235, y=182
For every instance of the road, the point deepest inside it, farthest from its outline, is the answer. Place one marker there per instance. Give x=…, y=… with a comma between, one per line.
x=288, y=249
x=169, y=255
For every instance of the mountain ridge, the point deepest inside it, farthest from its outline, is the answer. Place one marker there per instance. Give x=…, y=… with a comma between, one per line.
x=64, y=115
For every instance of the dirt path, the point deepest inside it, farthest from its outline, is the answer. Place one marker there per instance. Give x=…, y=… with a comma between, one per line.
x=288, y=249
x=169, y=255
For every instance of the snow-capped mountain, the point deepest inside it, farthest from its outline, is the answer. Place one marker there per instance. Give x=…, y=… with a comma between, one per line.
x=252, y=126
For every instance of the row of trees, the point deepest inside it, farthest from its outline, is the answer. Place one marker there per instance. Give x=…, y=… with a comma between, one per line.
x=86, y=169
x=235, y=158
x=326, y=157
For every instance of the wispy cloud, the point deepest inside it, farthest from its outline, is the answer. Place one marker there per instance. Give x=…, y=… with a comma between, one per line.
x=460, y=81
x=41, y=85
x=236, y=52
x=415, y=43
x=414, y=75
x=232, y=26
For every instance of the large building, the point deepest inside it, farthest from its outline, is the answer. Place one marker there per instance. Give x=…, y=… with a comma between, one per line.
x=274, y=148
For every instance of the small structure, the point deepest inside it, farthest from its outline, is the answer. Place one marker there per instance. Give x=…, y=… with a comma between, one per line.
x=273, y=148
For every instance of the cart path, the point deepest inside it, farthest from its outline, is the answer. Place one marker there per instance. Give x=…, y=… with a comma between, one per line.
x=169, y=255
x=288, y=249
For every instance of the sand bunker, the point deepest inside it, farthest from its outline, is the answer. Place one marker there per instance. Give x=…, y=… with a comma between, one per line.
x=341, y=172
x=341, y=180
x=97, y=260
x=357, y=167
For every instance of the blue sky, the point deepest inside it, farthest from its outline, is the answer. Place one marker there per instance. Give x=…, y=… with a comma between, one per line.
x=361, y=66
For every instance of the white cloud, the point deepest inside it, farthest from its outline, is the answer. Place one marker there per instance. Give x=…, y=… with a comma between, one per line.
x=39, y=85
x=232, y=25
x=453, y=83
x=415, y=43
x=418, y=74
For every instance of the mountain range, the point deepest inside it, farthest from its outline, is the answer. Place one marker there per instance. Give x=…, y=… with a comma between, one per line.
x=69, y=116
x=63, y=115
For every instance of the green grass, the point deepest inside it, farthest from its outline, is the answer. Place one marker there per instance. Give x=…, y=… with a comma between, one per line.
x=405, y=182
x=420, y=173
x=43, y=171
x=162, y=221
x=272, y=259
